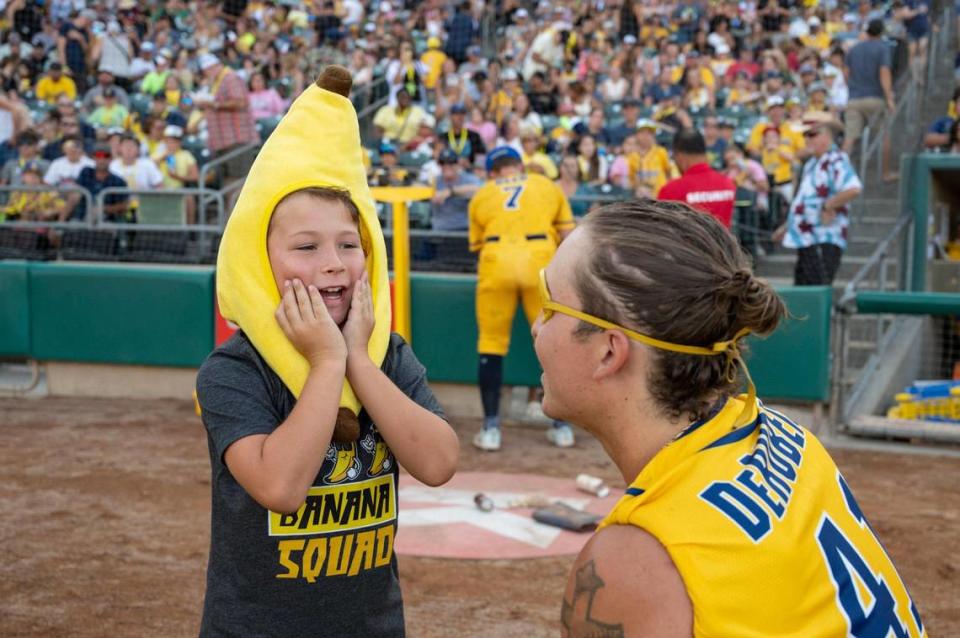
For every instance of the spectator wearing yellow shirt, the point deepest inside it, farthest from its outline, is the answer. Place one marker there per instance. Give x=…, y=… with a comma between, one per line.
x=794, y=116
x=502, y=101
x=777, y=160
x=835, y=22
x=744, y=91
x=818, y=39
x=534, y=159
x=55, y=84
x=817, y=93
x=693, y=64
x=401, y=122
x=433, y=58
x=178, y=166
x=775, y=118
x=652, y=29
x=649, y=167
x=29, y=206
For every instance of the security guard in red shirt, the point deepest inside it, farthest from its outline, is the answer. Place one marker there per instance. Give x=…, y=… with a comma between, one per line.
x=699, y=186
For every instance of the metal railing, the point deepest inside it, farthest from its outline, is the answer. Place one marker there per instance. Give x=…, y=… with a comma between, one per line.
x=207, y=171
x=365, y=116
x=912, y=90
x=179, y=193
x=365, y=94
x=61, y=190
x=873, y=275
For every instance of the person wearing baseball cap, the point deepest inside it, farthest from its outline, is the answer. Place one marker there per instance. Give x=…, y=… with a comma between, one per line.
x=433, y=59
x=649, y=166
x=534, y=159
x=54, y=84
x=229, y=121
x=399, y=122
x=110, y=114
x=776, y=117
x=516, y=222
x=143, y=63
x=454, y=188
x=631, y=114
x=29, y=206
x=154, y=81
x=467, y=144
x=96, y=178
x=818, y=220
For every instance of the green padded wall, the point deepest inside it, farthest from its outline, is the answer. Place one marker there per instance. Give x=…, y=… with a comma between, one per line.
x=792, y=364
x=443, y=314
x=124, y=314
x=163, y=315
x=14, y=309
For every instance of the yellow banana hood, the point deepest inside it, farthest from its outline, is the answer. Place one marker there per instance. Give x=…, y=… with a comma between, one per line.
x=316, y=144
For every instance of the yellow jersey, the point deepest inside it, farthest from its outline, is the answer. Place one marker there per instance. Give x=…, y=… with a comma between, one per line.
x=819, y=42
x=516, y=208
x=766, y=534
x=48, y=89
x=542, y=162
x=653, y=169
x=433, y=59
x=775, y=163
x=706, y=75
x=788, y=135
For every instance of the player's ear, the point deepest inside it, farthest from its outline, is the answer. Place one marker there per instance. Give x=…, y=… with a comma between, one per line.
x=614, y=352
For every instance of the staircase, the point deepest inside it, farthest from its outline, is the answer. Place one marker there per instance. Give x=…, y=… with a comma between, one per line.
x=876, y=212
x=873, y=217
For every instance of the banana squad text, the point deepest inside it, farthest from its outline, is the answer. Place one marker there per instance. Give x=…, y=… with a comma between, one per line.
x=330, y=515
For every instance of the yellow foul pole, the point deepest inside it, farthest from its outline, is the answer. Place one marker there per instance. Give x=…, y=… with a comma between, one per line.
x=399, y=196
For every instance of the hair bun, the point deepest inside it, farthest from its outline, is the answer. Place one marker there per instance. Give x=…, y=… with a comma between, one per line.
x=741, y=278
x=757, y=305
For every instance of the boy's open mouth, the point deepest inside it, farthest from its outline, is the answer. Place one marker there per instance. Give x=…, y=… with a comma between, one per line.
x=333, y=293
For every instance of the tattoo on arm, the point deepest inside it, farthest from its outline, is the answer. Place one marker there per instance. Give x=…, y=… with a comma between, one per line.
x=577, y=619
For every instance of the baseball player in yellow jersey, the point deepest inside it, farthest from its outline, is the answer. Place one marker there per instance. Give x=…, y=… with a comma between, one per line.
x=516, y=222
x=736, y=521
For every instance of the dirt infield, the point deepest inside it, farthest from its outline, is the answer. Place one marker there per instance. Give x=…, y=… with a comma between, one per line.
x=106, y=523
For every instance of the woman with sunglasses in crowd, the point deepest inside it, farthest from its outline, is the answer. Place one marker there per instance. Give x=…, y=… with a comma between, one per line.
x=736, y=521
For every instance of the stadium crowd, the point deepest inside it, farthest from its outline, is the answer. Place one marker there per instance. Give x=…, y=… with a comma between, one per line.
x=589, y=93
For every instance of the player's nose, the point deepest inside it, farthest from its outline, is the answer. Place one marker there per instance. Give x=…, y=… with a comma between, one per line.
x=535, y=328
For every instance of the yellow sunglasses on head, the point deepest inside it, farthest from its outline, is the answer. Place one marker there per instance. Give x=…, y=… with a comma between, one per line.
x=730, y=348
x=550, y=306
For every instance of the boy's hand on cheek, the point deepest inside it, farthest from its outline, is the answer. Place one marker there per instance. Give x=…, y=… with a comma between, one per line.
x=306, y=322
x=360, y=321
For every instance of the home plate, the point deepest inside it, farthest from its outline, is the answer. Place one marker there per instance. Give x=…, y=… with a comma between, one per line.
x=444, y=522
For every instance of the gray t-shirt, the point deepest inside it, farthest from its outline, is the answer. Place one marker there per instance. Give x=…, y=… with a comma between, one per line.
x=329, y=569
x=864, y=61
x=452, y=213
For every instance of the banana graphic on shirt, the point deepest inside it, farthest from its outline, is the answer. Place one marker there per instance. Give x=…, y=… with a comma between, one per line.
x=382, y=459
x=346, y=464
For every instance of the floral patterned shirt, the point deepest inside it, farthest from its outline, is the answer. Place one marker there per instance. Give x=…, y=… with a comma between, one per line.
x=822, y=178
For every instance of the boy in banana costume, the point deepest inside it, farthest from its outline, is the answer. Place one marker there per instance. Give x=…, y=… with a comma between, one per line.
x=310, y=407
